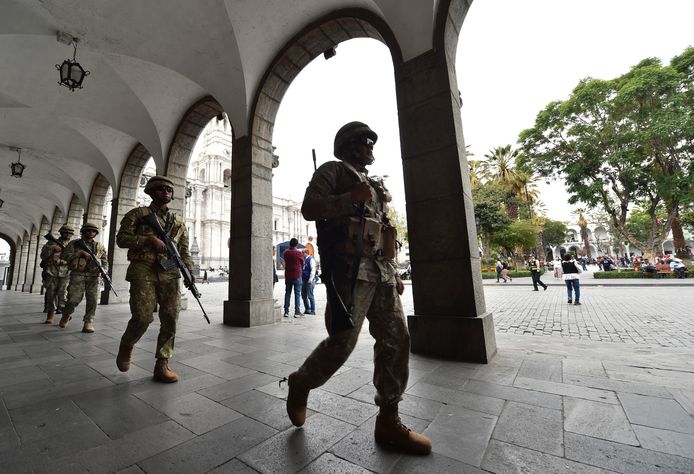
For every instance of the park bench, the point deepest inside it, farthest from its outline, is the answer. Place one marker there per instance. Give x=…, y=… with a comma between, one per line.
x=663, y=268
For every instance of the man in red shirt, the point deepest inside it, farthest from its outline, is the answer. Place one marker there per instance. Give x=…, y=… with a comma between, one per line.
x=293, y=266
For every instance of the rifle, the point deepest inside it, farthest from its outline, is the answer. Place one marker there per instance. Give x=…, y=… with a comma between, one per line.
x=96, y=263
x=341, y=318
x=152, y=221
x=50, y=238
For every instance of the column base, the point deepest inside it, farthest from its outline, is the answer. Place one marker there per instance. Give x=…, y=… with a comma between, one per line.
x=249, y=313
x=453, y=338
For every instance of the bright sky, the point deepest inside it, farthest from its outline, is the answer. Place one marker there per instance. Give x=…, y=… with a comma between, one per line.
x=513, y=58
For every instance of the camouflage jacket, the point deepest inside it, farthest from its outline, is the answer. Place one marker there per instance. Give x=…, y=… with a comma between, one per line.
x=328, y=201
x=145, y=263
x=79, y=264
x=54, y=262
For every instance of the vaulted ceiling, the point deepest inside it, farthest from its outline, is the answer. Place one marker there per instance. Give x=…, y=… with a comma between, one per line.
x=149, y=61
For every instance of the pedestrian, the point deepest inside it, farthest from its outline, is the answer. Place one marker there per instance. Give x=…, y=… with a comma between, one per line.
x=360, y=274
x=498, y=267
x=293, y=267
x=536, y=272
x=504, y=272
x=84, y=276
x=678, y=268
x=56, y=272
x=204, y=277
x=557, y=268
x=571, y=279
x=308, y=277
x=153, y=280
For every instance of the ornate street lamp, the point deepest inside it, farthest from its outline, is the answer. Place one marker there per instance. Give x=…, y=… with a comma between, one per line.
x=71, y=72
x=17, y=168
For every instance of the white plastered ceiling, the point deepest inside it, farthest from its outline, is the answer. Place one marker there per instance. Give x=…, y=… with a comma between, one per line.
x=150, y=60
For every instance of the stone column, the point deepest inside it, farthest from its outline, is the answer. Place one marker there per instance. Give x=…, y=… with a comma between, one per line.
x=28, y=258
x=35, y=257
x=117, y=260
x=250, y=254
x=19, y=265
x=451, y=319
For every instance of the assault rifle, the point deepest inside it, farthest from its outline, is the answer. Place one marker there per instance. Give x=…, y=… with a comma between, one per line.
x=152, y=221
x=83, y=245
x=50, y=238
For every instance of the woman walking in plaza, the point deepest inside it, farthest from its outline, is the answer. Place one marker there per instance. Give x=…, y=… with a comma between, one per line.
x=571, y=272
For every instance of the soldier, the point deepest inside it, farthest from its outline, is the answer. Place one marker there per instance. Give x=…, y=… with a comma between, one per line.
x=57, y=273
x=357, y=247
x=152, y=279
x=84, y=276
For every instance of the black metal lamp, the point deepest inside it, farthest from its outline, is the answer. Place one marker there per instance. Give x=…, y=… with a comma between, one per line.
x=71, y=72
x=17, y=168
x=1, y=202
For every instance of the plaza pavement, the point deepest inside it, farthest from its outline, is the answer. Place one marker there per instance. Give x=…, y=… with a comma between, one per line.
x=603, y=387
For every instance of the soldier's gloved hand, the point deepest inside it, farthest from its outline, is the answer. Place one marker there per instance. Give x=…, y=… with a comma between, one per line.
x=85, y=255
x=399, y=285
x=56, y=248
x=361, y=193
x=157, y=244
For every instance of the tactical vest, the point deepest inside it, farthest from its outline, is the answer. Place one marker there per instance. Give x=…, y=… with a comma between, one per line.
x=80, y=264
x=173, y=226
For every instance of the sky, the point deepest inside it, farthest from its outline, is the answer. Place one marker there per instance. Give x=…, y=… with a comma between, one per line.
x=513, y=59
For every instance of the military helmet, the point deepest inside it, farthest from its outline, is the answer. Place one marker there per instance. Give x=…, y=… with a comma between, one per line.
x=157, y=182
x=66, y=228
x=89, y=226
x=349, y=132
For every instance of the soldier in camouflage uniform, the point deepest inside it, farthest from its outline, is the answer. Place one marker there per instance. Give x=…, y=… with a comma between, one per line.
x=152, y=280
x=84, y=276
x=57, y=273
x=349, y=205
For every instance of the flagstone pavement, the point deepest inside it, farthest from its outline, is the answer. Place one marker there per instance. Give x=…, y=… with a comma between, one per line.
x=603, y=387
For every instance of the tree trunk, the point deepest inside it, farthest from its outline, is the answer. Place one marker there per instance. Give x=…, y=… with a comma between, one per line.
x=678, y=239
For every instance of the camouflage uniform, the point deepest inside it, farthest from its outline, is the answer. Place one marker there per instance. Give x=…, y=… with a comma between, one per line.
x=375, y=295
x=84, y=278
x=150, y=282
x=57, y=275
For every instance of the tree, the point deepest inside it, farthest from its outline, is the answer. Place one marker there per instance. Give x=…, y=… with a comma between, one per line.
x=622, y=143
x=490, y=214
x=517, y=237
x=583, y=228
x=554, y=232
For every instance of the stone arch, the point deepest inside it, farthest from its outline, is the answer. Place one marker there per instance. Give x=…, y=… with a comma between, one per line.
x=9, y=273
x=250, y=298
x=75, y=214
x=57, y=220
x=28, y=250
x=193, y=122
x=97, y=201
x=124, y=199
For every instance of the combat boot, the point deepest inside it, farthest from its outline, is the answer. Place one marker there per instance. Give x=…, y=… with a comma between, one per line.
x=49, y=317
x=88, y=327
x=297, y=399
x=162, y=373
x=123, y=358
x=64, y=319
x=391, y=433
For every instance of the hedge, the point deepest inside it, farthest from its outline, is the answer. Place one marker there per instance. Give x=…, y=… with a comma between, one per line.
x=512, y=274
x=630, y=273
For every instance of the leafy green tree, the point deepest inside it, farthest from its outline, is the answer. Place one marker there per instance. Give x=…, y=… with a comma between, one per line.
x=516, y=238
x=554, y=232
x=490, y=214
x=622, y=143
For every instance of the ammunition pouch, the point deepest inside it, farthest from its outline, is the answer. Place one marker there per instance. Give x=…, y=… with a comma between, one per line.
x=378, y=239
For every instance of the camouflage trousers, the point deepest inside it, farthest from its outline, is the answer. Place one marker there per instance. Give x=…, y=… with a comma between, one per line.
x=82, y=285
x=55, y=292
x=144, y=296
x=380, y=304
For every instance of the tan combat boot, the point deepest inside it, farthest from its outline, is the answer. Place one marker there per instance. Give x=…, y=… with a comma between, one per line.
x=88, y=327
x=297, y=399
x=49, y=317
x=123, y=357
x=63, y=321
x=162, y=373
x=391, y=433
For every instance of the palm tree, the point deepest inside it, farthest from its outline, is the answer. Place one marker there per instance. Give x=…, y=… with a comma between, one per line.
x=583, y=225
x=499, y=164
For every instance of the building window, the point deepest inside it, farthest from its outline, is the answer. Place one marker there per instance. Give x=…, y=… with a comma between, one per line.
x=275, y=224
x=227, y=178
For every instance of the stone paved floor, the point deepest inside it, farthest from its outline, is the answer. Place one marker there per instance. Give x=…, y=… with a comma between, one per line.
x=545, y=404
